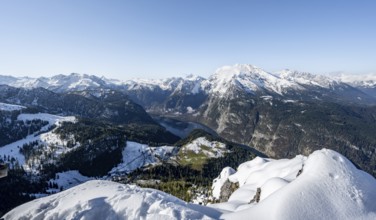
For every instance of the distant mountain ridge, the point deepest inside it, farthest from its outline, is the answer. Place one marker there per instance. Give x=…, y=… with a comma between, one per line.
x=245, y=76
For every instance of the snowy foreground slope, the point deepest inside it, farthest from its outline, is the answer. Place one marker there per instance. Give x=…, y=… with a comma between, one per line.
x=99, y=199
x=329, y=187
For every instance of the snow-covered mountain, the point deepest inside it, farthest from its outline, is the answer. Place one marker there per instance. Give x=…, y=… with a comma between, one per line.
x=324, y=185
x=249, y=78
x=59, y=83
x=243, y=77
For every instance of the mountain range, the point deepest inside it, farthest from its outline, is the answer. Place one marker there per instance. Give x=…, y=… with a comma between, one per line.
x=244, y=76
x=280, y=114
x=69, y=129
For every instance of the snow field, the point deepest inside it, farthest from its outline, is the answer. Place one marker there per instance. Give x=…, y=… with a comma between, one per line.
x=10, y=107
x=99, y=199
x=330, y=187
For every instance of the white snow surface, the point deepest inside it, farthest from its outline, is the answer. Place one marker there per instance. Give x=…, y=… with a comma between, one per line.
x=330, y=187
x=136, y=155
x=99, y=199
x=10, y=107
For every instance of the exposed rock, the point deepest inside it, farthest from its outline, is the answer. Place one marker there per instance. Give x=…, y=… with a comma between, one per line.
x=227, y=189
x=257, y=196
x=300, y=171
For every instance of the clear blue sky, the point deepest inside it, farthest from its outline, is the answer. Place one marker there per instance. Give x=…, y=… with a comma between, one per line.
x=156, y=39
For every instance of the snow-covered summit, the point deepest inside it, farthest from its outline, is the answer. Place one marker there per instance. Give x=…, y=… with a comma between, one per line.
x=249, y=78
x=324, y=185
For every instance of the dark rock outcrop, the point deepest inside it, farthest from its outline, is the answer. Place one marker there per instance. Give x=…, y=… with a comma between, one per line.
x=227, y=189
x=257, y=196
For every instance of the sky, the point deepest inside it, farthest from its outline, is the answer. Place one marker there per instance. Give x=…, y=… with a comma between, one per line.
x=164, y=38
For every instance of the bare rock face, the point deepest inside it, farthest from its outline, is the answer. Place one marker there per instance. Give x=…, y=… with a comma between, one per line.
x=227, y=189
x=300, y=171
x=257, y=196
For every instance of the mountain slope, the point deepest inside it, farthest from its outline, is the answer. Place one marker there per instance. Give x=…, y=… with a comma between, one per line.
x=108, y=200
x=365, y=83
x=111, y=105
x=329, y=187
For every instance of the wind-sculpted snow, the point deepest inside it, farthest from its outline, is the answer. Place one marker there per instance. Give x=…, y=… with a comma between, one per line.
x=108, y=200
x=328, y=186
x=324, y=185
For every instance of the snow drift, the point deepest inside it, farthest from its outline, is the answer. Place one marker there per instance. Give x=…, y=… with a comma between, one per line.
x=328, y=187
x=100, y=199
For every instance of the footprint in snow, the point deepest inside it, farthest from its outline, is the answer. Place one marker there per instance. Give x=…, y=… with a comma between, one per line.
x=333, y=176
x=338, y=158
